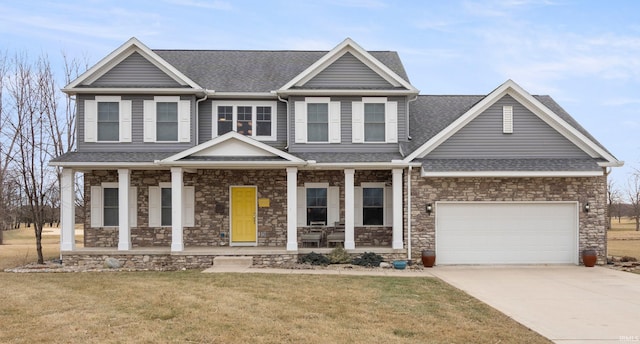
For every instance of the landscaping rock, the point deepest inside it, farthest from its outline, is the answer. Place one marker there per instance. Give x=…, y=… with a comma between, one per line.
x=385, y=265
x=112, y=263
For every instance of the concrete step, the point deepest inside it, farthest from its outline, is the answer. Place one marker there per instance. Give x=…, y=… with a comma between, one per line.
x=236, y=261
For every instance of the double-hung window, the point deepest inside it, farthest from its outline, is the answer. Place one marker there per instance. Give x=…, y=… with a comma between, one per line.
x=105, y=205
x=374, y=120
x=372, y=206
x=107, y=119
x=317, y=120
x=256, y=119
x=167, y=119
x=161, y=205
x=165, y=206
x=110, y=204
x=316, y=206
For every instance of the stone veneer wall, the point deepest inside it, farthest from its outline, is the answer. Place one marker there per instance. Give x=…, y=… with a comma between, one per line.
x=592, y=232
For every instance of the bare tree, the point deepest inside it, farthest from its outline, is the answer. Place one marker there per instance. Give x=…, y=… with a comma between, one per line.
x=633, y=192
x=614, y=199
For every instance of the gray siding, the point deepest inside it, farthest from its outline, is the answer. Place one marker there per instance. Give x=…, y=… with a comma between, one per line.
x=135, y=71
x=137, y=143
x=346, y=132
x=348, y=72
x=205, y=124
x=483, y=137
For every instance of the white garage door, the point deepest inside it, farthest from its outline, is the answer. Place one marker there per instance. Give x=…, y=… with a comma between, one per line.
x=506, y=233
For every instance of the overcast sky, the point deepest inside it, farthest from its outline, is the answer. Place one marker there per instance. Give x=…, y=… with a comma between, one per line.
x=585, y=54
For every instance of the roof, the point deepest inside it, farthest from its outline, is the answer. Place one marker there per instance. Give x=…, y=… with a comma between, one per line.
x=135, y=157
x=325, y=157
x=452, y=165
x=254, y=70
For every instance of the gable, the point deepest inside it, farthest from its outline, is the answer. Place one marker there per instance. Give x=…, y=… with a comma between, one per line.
x=348, y=72
x=135, y=71
x=483, y=137
x=233, y=147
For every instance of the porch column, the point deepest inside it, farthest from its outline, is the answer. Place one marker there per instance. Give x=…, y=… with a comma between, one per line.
x=67, y=210
x=397, y=208
x=349, y=210
x=124, y=230
x=176, y=209
x=292, y=209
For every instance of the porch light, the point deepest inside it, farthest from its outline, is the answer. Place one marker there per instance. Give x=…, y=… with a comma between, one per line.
x=429, y=209
x=587, y=207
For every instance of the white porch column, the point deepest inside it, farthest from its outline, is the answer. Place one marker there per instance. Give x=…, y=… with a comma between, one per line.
x=349, y=210
x=124, y=230
x=67, y=210
x=176, y=209
x=292, y=209
x=397, y=209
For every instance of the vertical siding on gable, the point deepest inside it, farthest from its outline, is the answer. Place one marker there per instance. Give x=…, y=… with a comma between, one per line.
x=483, y=137
x=347, y=72
x=135, y=70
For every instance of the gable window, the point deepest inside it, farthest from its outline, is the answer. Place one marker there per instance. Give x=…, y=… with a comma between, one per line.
x=167, y=119
x=167, y=126
x=317, y=120
x=251, y=118
x=317, y=206
x=105, y=205
x=507, y=119
x=107, y=119
x=372, y=206
x=374, y=120
x=165, y=204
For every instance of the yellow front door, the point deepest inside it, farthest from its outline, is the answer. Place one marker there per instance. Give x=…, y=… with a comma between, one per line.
x=243, y=214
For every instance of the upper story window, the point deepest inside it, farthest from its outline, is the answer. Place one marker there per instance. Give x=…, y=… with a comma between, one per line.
x=317, y=120
x=251, y=118
x=375, y=120
x=107, y=119
x=167, y=119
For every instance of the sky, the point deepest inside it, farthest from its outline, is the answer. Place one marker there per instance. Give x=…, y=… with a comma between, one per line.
x=585, y=54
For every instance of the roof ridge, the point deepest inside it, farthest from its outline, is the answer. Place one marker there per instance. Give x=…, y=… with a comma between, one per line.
x=265, y=50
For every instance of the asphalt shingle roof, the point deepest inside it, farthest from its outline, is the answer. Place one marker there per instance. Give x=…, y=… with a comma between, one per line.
x=492, y=165
x=325, y=157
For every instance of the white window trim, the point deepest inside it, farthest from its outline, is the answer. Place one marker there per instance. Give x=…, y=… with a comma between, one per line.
x=387, y=205
x=333, y=203
x=97, y=208
x=155, y=205
x=150, y=120
x=254, y=118
x=507, y=119
x=91, y=118
x=390, y=119
x=334, y=119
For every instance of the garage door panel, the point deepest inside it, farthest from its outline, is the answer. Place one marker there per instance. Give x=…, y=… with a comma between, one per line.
x=506, y=233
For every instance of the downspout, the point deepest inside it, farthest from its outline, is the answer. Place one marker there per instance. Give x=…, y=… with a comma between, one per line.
x=409, y=101
x=197, y=119
x=286, y=148
x=409, y=214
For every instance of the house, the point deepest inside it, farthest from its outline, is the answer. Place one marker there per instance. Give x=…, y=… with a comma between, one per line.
x=189, y=155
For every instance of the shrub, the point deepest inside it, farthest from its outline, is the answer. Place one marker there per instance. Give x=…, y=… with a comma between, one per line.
x=339, y=256
x=314, y=259
x=368, y=259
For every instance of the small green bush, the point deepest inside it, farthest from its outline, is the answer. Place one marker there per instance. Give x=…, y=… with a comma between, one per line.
x=339, y=256
x=368, y=259
x=314, y=259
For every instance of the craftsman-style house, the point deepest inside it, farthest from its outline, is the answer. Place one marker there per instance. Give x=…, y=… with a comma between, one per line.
x=188, y=155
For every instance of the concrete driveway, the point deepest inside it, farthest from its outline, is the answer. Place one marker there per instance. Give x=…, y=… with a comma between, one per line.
x=567, y=304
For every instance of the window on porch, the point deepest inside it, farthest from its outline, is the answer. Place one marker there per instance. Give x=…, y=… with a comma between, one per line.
x=317, y=206
x=372, y=206
x=110, y=204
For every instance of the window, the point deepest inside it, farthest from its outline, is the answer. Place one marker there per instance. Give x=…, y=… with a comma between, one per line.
x=108, y=123
x=251, y=118
x=167, y=125
x=110, y=204
x=317, y=122
x=507, y=119
x=165, y=203
x=167, y=119
x=316, y=205
x=372, y=206
x=107, y=119
x=374, y=122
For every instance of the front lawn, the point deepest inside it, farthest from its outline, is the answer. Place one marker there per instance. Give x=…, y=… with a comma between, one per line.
x=191, y=307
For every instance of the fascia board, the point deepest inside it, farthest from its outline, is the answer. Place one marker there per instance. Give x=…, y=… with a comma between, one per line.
x=346, y=92
x=131, y=90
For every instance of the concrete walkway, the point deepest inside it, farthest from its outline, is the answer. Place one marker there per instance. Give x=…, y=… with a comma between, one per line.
x=567, y=304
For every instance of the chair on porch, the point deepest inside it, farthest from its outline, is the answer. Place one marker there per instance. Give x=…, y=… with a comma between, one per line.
x=314, y=235
x=337, y=236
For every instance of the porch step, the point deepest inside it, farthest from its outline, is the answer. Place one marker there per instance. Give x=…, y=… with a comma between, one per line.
x=235, y=261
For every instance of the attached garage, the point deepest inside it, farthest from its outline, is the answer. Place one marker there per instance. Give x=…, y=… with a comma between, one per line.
x=506, y=232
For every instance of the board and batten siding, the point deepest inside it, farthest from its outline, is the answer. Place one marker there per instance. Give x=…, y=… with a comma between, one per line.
x=348, y=72
x=135, y=71
x=137, y=143
x=483, y=137
x=346, y=144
